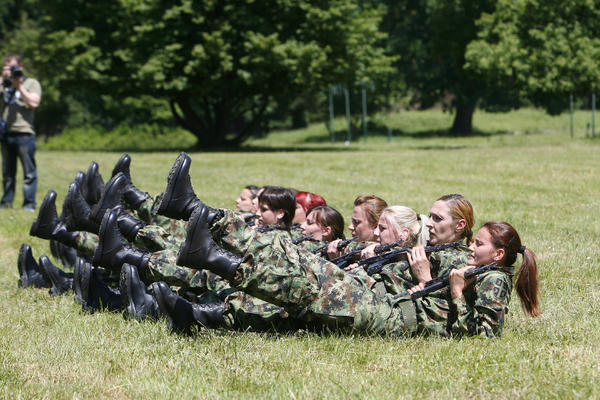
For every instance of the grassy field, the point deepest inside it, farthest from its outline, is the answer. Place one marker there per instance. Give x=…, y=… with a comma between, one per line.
x=535, y=177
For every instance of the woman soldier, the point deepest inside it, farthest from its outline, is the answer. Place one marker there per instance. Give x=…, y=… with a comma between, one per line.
x=365, y=216
x=323, y=224
x=319, y=292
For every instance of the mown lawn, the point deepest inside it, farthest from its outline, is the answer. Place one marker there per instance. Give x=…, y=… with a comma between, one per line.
x=544, y=183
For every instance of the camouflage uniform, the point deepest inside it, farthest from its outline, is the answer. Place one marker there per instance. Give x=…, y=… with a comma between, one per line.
x=398, y=277
x=147, y=213
x=317, y=291
x=242, y=310
x=86, y=243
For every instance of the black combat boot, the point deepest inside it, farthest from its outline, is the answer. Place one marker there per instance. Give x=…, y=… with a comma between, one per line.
x=111, y=197
x=47, y=219
x=95, y=292
x=133, y=196
x=76, y=212
x=139, y=302
x=63, y=235
x=199, y=248
x=112, y=251
x=30, y=274
x=183, y=315
x=93, y=185
x=77, y=280
x=178, y=200
x=128, y=224
x=61, y=280
x=66, y=254
x=79, y=178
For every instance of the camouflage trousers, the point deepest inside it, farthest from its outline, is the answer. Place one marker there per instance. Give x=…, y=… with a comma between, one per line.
x=242, y=310
x=318, y=292
x=147, y=213
x=86, y=243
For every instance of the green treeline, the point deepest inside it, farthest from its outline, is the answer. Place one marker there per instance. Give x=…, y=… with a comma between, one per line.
x=229, y=69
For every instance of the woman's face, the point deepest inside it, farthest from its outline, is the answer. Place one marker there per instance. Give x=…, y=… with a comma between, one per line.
x=443, y=228
x=385, y=234
x=483, y=251
x=244, y=202
x=311, y=227
x=299, y=215
x=267, y=216
x=359, y=227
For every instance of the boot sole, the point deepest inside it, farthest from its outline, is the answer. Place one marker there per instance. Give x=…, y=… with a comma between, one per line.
x=49, y=201
x=172, y=181
x=125, y=284
x=21, y=264
x=77, y=283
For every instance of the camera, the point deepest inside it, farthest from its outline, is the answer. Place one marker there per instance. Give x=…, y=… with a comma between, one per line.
x=16, y=72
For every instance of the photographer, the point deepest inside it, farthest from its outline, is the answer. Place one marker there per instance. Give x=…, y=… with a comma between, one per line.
x=20, y=97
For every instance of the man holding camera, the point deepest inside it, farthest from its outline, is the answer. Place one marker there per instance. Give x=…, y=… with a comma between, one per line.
x=20, y=97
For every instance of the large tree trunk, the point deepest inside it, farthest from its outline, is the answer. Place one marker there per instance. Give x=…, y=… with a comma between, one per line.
x=463, y=119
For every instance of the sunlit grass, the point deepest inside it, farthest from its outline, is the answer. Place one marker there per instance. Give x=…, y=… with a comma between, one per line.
x=543, y=182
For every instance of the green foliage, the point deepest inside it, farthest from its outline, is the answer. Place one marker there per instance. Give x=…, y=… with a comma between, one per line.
x=121, y=138
x=544, y=50
x=220, y=64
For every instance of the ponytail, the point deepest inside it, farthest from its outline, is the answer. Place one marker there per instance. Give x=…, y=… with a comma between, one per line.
x=527, y=285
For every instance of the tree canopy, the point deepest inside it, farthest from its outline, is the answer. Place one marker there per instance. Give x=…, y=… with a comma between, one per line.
x=220, y=63
x=543, y=51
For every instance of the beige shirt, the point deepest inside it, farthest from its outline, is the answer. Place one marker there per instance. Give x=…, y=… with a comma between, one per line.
x=16, y=114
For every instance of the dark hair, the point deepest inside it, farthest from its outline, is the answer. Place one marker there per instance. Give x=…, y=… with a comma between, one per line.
x=253, y=190
x=327, y=216
x=461, y=208
x=309, y=200
x=373, y=207
x=506, y=237
x=14, y=56
x=279, y=198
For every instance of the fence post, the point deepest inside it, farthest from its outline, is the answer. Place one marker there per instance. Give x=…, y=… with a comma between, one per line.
x=364, y=107
x=331, y=116
x=593, y=114
x=347, y=97
x=571, y=107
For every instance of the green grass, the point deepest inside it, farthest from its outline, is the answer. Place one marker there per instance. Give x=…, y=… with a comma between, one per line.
x=543, y=182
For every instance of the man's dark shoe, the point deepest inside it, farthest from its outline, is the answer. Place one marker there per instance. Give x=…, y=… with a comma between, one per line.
x=76, y=212
x=199, y=248
x=182, y=315
x=79, y=178
x=139, y=302
x=47, y=219
x=95, y=292
x=111, y=197
x=63, y=235
x=93, y=185
x=112, y=251
x=128, y=224
x=61, y=281
x=133, y=196
x=30, y=273
x=77, y=280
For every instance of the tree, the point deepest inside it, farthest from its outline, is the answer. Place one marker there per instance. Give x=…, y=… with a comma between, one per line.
x=220, y=63
x=430, y=39
x=543, y=50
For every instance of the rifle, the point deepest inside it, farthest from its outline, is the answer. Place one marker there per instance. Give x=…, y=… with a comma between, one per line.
x=268, y=228
x=374, y=265
x=322, y=251
x=348, y=258
x=250, y=219
x=303, y=239
x=444, y=280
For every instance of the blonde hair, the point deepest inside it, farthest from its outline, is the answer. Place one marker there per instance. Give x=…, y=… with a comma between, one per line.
x=400, y=217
